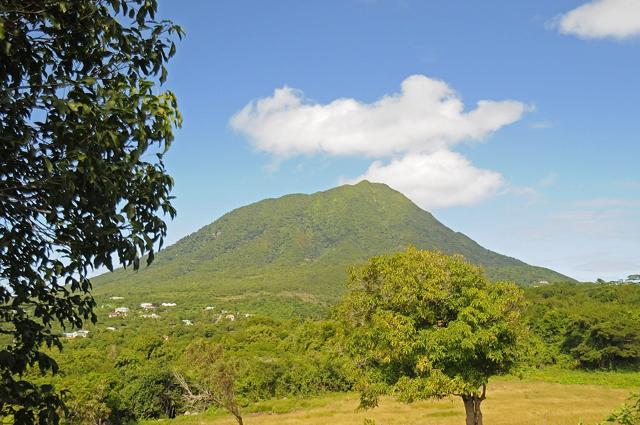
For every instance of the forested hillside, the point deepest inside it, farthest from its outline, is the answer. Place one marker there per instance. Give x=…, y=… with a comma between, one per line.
x=291, y=254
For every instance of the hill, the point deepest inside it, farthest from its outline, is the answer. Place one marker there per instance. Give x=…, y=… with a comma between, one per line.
x=289, y=255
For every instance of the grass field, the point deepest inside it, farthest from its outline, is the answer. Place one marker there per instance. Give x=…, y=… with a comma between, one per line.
x=510, y=402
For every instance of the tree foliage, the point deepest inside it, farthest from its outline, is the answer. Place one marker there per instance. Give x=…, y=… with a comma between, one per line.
x=586, y=325
x=214, y=375
x=429, y=325
x=82, y=134
x=118, y=370
x=628, y=414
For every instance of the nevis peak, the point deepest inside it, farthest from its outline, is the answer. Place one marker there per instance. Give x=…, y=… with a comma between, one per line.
x=291, y=254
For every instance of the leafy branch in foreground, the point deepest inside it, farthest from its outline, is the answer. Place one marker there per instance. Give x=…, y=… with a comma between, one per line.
x=82, y=182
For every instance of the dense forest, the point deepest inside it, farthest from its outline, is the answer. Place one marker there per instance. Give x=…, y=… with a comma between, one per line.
x=126, y=369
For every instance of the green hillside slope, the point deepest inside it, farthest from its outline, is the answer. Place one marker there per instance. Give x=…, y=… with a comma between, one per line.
x=290, y=254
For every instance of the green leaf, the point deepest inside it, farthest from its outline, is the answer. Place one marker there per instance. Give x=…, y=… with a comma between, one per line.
x=47, y=164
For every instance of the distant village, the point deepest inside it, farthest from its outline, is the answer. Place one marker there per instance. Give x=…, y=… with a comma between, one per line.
x=149, y=312
x=149, y=309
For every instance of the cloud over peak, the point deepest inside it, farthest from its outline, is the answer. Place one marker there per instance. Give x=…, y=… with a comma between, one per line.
x=426, y=116
x=437, y=180
x=602, y=19
x=411, y=133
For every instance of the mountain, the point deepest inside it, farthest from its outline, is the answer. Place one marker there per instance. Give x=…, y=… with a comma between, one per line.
x=290, y=255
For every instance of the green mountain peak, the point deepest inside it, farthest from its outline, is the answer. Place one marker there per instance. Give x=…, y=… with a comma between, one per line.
x=296, y=249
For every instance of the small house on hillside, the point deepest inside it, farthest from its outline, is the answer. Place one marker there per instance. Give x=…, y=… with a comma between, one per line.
x=169, y=304
x=147, y=306
x=80, y=333
x=151, y=316
x=119, y=312
x=187, y=322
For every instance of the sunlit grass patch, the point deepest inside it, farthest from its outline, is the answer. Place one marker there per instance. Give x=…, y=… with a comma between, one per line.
x=509, y=402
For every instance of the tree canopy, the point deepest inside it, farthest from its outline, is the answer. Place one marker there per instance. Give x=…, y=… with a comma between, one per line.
x=83, y=129
x=429, y=325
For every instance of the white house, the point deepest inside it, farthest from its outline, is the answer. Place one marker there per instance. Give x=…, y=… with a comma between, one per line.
x=169, y=304
x=151, y=316
x=79, y=333
x=124, y=310
x=187, y=322
x=147, y=306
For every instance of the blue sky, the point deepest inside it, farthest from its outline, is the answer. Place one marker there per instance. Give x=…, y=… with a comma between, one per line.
x=547, y=171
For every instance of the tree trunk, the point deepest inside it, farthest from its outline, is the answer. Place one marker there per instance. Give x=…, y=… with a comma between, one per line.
x=238, y=418
x=469, y=409
x=477, y=410
x=472, y=407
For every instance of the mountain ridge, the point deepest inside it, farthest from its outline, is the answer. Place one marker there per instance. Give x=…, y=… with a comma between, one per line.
x=302, y=244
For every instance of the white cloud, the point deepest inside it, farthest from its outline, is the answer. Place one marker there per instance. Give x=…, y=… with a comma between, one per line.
x=413, y=133
x=602, y=19
x=436, y=180
x=426, y=116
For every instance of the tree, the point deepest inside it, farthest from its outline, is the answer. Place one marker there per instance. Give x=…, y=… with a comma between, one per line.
x=427, y=325
x=150, y=392
x=213, y=375
x=83, y=131
x=628, y=414
x=605, y=337
x=89, y=404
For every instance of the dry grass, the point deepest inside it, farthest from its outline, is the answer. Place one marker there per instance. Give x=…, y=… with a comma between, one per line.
x=508, y=402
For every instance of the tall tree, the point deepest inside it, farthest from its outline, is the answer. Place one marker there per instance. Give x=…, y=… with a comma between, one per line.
x=83, y=129
x=213, y=375
x=427, y=325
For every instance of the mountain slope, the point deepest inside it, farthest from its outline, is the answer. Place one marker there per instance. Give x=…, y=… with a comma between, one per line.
x=297, y=248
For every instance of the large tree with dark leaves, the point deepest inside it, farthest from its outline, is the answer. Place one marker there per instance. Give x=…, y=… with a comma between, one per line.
x=83, y=129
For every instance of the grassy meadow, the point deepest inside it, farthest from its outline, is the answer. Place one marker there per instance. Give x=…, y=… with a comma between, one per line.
x=510, y=401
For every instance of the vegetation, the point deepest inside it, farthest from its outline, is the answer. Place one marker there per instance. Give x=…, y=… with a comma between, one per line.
x=244, y=318
x=628, y=414
x=511, y=403
x=290, y=255
x=78, y=113
x=430, y=326
x=215, y=377
x=127, y=374
x=586, y=325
